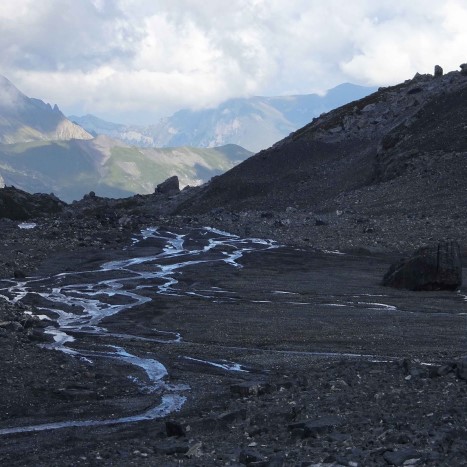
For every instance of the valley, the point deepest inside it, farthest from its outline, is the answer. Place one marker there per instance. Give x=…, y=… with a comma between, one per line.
x=243, y=321
x=188, y=346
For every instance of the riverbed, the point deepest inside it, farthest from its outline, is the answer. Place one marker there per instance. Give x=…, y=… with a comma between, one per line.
x=177, y=317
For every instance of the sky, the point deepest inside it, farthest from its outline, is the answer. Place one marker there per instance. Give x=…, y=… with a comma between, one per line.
x=135, y=61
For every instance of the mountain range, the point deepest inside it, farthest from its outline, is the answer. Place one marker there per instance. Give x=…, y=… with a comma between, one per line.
x=42, y=151
x=254, y=123
x=24, y=119
x=387, y=171
x=73, y=168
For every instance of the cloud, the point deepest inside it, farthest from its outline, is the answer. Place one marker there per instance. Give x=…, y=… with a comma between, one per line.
x=140, y=59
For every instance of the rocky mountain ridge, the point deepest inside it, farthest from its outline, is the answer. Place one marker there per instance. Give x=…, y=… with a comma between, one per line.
x=254, y=123
x=24, y=119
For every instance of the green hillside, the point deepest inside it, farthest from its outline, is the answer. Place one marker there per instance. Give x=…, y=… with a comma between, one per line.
x=72, y=168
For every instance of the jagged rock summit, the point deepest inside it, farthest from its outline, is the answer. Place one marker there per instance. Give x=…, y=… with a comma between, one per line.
x=24, y=119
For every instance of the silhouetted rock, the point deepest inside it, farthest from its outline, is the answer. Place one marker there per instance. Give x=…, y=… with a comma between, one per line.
x=174, y=428
x=463, y=68
x=438, y=71
x=170, y=186
x=18, y=205
x=434, y=267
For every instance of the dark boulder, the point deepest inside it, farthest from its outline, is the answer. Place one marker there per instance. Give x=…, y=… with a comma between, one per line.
x=462, y=369
x=171, y=186
x=438, y=71
x=173, y=428
x=317, y=427
x=18, y=205
x=401, y=456
x=433, y=267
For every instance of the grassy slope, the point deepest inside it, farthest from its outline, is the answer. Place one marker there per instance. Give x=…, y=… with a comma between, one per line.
x=73, y=168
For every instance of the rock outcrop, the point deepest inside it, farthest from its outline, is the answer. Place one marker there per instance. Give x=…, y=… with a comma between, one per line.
x=438, y=71
x=171, y=186
x=18, y=205
x=434, y=267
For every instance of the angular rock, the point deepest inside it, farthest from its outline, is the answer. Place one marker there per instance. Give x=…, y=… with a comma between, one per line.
x=319, y=426
x=249, y=456
x=463, y=68
x=174, y=428
x=401, y=456
x=230, y=417
x=18, y=274
x=171, y=186
x=169, y=448
x=250, y=388
x=438, y=71
x=461, y=369
x=434, y=267
x=195, y=450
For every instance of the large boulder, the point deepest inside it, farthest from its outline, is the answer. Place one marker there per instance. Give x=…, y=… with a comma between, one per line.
x=171, y=186
x=433, y=267
x=18, y=205
x=438, y=71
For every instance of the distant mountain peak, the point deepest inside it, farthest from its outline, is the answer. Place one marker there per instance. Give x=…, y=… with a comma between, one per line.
x=25, y=119
x=254, y=123
x=10, y=95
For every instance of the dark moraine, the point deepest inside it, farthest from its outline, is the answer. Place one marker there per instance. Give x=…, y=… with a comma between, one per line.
x=179, y=319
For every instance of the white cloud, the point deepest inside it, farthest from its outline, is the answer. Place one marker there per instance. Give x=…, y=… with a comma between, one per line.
x=128, y=59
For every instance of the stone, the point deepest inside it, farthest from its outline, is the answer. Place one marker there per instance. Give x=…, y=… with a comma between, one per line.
x=401, y=456
x=174, y=428
x=233, y=416
x=170, y=448
x=250, y=388
x=461, y=369
x=171, y=186
x=18, y=205
x=18, y=274
x=433, y=267
x=317, y=427
x=463, y=68
x=438, y=71
x=195, y=450
x=249, y=456
x=14, y=326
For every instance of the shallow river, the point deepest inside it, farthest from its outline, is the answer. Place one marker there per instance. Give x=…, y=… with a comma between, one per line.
x=79, y=307
x=313, y=306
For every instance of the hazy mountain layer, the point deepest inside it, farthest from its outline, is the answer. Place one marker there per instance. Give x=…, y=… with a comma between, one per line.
x=254, y=123
x=72, y=168
x=23, y=119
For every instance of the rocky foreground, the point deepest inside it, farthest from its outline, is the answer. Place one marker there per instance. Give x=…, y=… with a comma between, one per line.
x=291, y=409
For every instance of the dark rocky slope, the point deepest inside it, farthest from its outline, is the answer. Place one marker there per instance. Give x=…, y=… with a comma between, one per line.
x=384, y=172
x=410, y=128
